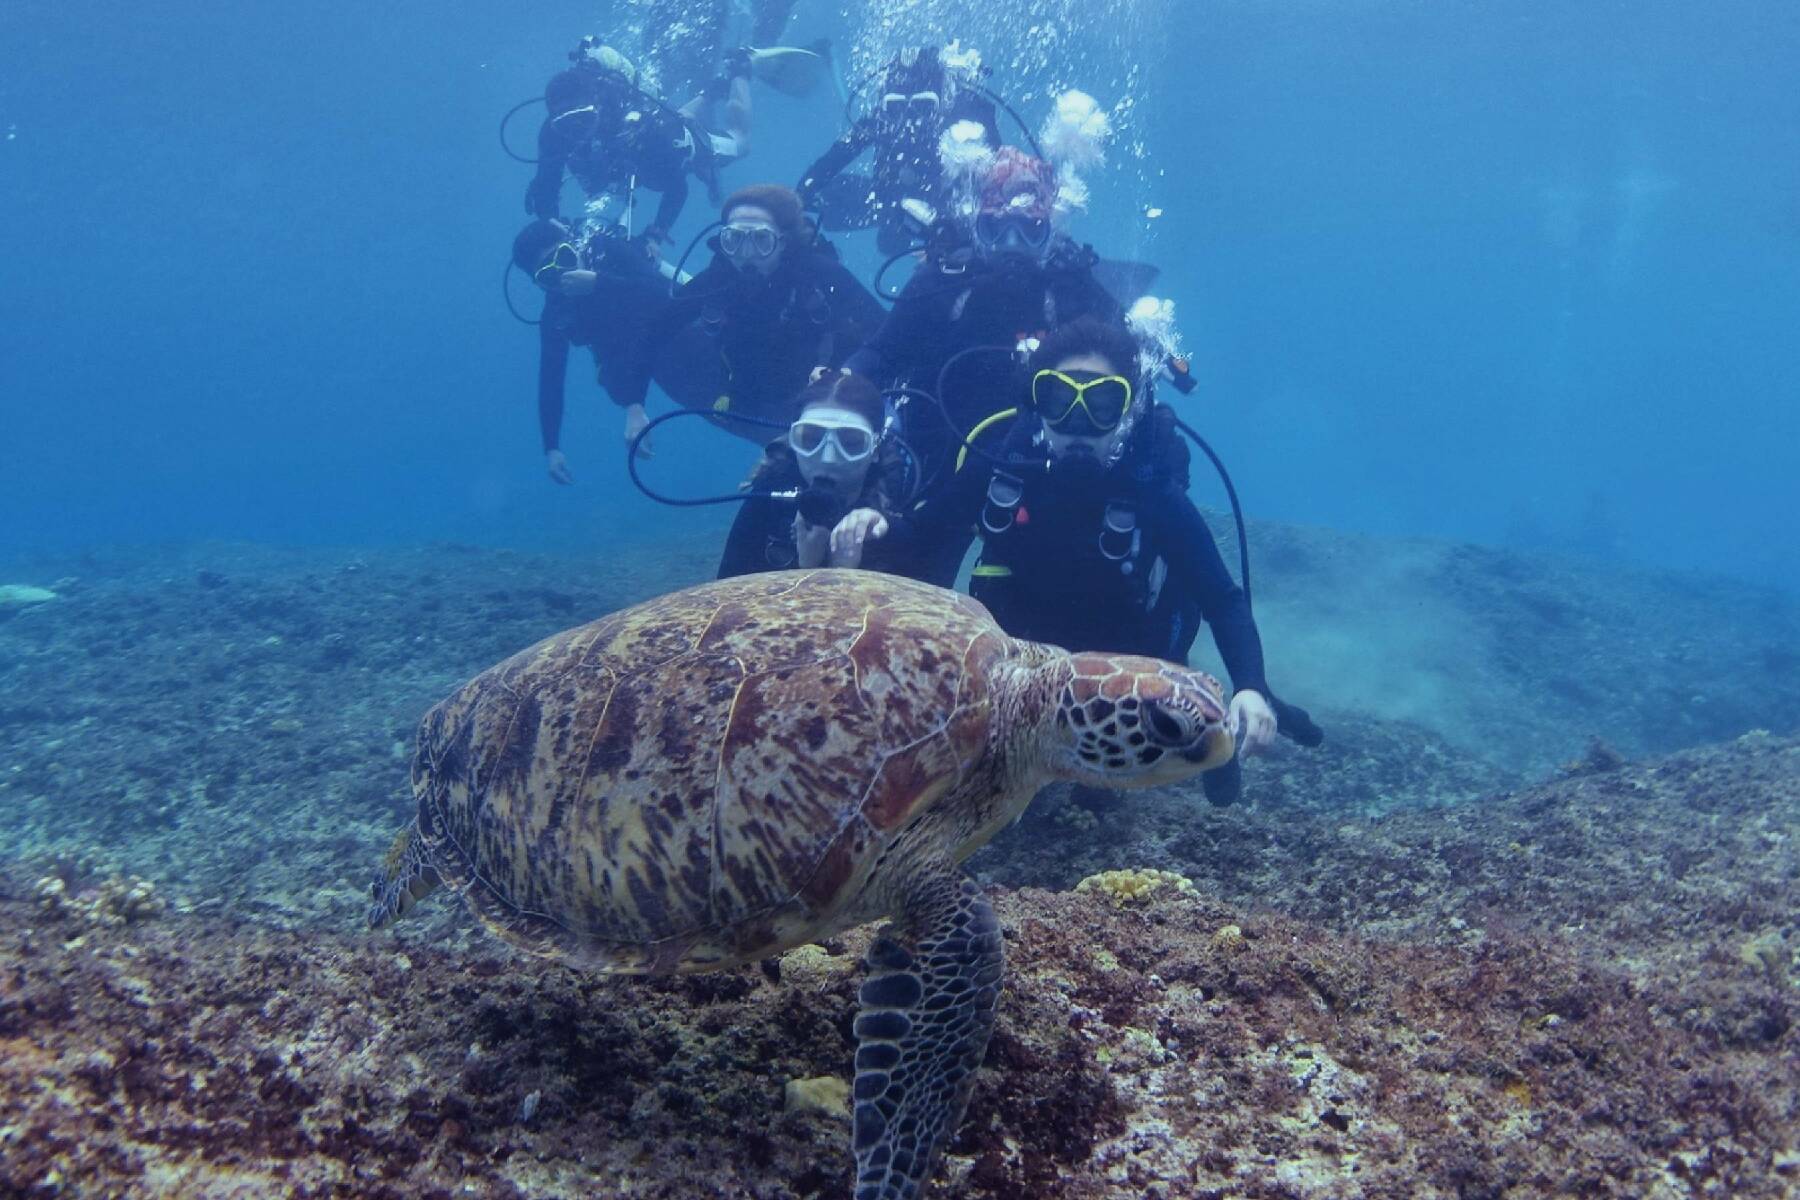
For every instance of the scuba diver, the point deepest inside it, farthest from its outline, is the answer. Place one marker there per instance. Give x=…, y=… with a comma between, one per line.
x=838, y=469
x=613, y=134
x=687, y=39
x=599, y=292
x=750, y=329
x=987, y=286
x=1088, y=536
x=924, y=92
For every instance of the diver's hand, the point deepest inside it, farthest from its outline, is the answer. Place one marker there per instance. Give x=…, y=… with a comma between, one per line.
x=821, y=371
x=811, y=543
x=1252, y=722
x=851, y=532
x=635, y=420
x=559, y=467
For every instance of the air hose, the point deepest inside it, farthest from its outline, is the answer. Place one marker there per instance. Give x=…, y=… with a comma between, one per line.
x=738, y=497
x=506, y=292
x=507, y=120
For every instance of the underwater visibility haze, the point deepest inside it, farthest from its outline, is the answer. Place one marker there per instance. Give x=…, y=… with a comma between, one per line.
x=1462, y=861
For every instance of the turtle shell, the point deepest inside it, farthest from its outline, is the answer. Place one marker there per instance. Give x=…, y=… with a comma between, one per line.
x=708, y=777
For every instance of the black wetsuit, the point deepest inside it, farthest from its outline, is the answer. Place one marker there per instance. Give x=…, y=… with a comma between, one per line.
x=748, y=343
x=906, y=166
x=1119, y=560
x=631, y=139
x=982, y=308
x=611, y=321
x=762, y=536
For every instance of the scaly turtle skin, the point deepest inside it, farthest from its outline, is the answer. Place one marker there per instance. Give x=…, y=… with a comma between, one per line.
x=727, y=772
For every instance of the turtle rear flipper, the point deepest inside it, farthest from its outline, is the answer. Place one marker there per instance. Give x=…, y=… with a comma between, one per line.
x=405, y=878
x=924, y=1025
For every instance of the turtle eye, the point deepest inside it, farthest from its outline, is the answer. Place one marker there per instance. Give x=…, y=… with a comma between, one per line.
x=1164, y=727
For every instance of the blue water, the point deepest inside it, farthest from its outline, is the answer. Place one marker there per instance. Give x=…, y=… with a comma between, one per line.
x=1524, y=273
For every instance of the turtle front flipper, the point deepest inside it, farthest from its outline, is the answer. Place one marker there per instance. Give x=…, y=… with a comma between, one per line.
x=926, y=1015
x=405, y=878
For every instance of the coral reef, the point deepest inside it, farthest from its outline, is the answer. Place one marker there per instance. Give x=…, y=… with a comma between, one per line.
x=1135, y=884
x=826, y=1094
x=1399, y=967
x=116, y=901
x=1176, y=1046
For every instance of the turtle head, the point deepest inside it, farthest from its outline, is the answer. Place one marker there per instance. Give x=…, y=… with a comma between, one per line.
x=1126, y=722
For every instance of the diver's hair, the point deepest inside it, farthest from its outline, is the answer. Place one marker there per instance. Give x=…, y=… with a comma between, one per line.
x=1090, y=335
x=534, y=243
x=1013, y=173
x=782, y=202
x=851, y=393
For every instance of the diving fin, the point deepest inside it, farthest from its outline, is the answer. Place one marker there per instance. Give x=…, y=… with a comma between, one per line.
x=1295, y=723
x=788, y=69
x=1126, y=281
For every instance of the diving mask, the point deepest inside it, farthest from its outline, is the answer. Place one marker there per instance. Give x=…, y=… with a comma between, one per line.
x=919, y=106
x=745, y=240
x=1080, y=403
x=828, y=439
x=563, y=259
x=1014, y=232
x=832, y=437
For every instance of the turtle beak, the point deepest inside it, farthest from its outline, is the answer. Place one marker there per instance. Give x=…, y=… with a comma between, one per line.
x=1213, y=750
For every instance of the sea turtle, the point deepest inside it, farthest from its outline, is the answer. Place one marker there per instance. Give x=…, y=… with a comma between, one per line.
x=727, y=772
